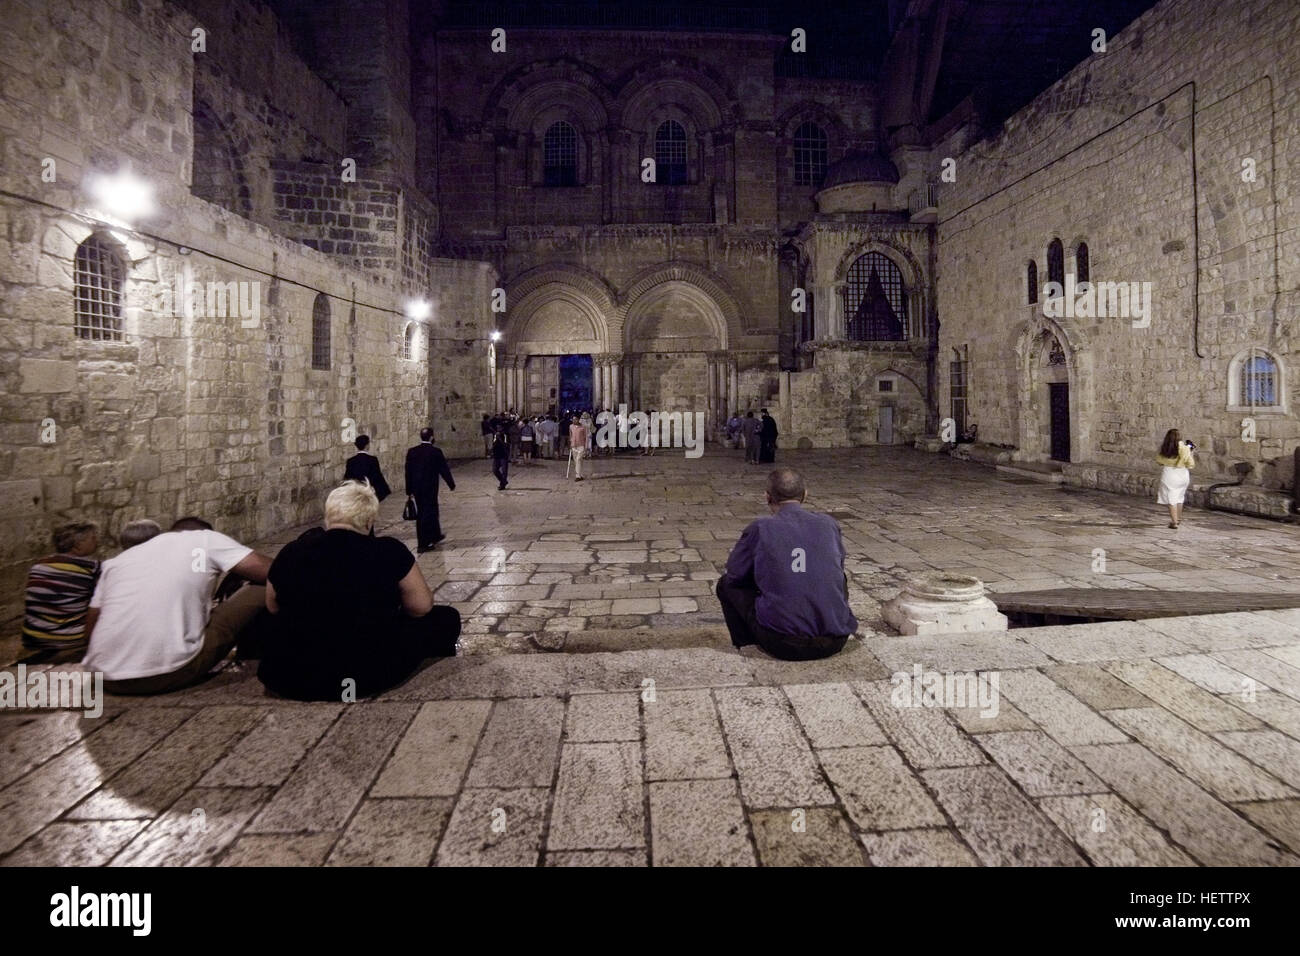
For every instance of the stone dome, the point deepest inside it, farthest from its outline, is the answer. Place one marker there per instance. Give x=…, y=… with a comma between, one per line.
x=860, y=168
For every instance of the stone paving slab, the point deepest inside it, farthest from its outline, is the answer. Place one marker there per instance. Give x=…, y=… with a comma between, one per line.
x=698, y=823
x=598, y=798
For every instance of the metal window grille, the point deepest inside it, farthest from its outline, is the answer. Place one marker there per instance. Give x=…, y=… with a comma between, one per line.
x=809, y=155
x=409, y=341
x=957, y=393
x=97, y=297
x=1259, y=381
x=670, y=153
x=873, y=318
x=560, y=155
x=320, y=333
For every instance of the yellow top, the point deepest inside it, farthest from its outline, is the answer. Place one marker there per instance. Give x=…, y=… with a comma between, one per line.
x=1184, y=459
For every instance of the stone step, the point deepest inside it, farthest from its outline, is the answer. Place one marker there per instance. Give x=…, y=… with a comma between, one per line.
x=1048, y=473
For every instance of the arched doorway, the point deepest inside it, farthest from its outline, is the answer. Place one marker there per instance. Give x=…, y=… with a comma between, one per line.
x=676, y=338
x=1050, y=417
x=551, y=339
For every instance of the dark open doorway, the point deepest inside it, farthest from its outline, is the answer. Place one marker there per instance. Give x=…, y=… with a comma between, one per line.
x=575, y=382
x=1060, y=411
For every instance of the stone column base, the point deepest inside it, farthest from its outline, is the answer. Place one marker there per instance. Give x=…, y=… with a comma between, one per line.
x=943, y=604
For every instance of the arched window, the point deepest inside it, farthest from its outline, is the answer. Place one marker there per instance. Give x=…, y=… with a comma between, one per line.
x=809, y=155
x=670, y=153
x=1259, y=381
x=1056, y=264
x=320, y=332
x=1256, y=383
x=411, y=341
x=560, y=155
x=874, y=300
x=97, y=297
x=1081, y=263
x=1031, y=282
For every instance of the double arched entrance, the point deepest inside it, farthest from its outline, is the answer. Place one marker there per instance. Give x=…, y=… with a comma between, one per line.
x=570, y=342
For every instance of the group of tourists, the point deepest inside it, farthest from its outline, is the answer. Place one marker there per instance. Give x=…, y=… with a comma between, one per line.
x=337, y=611
x=757, y=436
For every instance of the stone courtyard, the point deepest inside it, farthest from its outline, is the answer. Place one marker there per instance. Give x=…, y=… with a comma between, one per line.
x=598, y=715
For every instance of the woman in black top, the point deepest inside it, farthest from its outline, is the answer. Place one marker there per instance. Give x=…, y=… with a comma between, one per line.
x=349, y=607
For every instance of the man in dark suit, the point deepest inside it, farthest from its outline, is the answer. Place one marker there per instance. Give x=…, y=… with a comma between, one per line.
x=364, y=466
x=767, y=439
x=425, y=464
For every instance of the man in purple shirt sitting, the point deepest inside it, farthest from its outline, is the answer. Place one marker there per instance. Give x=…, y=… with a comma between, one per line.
x=785, y=588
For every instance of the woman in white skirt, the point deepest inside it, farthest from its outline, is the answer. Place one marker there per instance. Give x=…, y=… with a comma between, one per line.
x=1175, y=475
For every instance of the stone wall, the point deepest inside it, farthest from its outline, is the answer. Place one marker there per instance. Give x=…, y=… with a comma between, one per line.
x=195, y=410
x=1172, y=156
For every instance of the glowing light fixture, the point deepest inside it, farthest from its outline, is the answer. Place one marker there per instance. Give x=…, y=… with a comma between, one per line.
x=123, y=195
x=496, y=336
x=419, y=309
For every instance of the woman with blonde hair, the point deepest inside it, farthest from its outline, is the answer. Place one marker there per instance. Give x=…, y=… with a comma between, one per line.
x=1175, y=475
x=352, y=613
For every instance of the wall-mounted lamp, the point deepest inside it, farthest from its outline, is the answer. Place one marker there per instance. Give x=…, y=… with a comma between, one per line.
x=122, y=195
x=419, y=309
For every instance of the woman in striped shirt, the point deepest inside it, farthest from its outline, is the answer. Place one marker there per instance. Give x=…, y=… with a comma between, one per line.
x=59, y=589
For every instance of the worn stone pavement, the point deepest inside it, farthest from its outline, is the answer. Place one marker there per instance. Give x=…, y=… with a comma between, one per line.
x=598, y=714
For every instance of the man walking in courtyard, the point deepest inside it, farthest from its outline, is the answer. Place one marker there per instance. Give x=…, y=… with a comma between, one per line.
x=749, y=435
x=577, y=446
x=363, y=466
x=767, y=439
x=425, y=464
x=784, y=588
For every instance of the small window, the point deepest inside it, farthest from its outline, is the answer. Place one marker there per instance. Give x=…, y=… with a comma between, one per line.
x=560, y=155
x=1031, y=282
x=320, y=333
x=809, y=155
x=1256, y=383
x=886, y=385
x=1081, y=263
x=1259, y=381
x=411, y=342
x=670, y=153
x=1056, y=264
x=97, y=298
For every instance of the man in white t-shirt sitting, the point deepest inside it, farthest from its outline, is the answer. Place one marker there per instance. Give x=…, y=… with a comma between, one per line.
x=149, y=625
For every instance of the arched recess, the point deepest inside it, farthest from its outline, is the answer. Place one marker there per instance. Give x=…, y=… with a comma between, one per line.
x=694, y=88
x=686, y=274
x=674, y=316
x=914, y=286
x=218, y=174
x=523, y=92
x=1040, y=366
x=556, y=318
